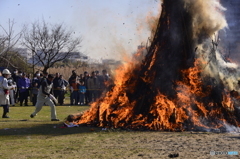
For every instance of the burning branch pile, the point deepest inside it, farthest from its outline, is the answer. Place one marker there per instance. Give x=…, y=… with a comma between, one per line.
x=181, y=84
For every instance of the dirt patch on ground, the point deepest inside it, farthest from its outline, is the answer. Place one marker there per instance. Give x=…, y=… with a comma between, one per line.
x=157, y=145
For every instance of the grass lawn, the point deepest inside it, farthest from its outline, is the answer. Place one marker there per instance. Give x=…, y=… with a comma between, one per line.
x=23, y=137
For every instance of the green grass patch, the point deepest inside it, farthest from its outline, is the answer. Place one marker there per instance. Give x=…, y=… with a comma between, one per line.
x=38, y=137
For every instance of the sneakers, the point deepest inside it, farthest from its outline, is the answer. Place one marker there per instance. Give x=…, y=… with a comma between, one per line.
x=5, y=115
x=55, y=120
x=31, y=116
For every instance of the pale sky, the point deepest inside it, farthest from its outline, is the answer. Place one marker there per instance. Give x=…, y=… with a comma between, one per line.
x=109, y=28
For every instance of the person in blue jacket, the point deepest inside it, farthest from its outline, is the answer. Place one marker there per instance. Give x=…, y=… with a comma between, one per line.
x=23, y=85
x=82, y=90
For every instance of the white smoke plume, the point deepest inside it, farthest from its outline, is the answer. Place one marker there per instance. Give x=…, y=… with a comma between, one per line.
x=207, y=16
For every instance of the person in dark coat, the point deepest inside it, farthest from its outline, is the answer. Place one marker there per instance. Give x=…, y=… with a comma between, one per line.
x=23, y=85
x=93, y=87
x=58, y=85
x=64, y=88
x=36, y=81
x=85, y=78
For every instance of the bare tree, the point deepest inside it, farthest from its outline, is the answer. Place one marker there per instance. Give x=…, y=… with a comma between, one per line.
x=49, y=43
x=8, y=39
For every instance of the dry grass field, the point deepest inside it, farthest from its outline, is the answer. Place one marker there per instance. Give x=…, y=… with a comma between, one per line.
x=67, y=71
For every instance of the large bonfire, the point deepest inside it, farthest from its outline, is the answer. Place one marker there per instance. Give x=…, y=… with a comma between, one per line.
x=182, y=84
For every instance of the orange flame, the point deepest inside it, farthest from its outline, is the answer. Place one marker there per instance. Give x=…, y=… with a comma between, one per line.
x=188, y=109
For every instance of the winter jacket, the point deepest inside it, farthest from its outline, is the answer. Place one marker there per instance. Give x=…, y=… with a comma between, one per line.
x=93, y=83
x=74, y=86
x=23, y=84
x=4, y=98
x=15, y=78
x=82, y=89
x=36, y=80
x=58, y=84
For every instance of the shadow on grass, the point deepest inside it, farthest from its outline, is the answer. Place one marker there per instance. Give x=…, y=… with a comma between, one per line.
x=49, y=129
x=235, y=137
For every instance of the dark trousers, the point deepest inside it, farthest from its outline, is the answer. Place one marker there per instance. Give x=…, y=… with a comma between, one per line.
x=74, y=98
x=81, y=97
x=34, y=99
x=23, y=97
x=59, y=95
x=100, y=91
x=93, y=95
x=87, y=100
x=5, y=108
x=17, y=98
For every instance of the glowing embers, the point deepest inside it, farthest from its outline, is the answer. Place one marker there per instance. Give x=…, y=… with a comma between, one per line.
x=228, y=102
x=183, y=112
x=167, y=115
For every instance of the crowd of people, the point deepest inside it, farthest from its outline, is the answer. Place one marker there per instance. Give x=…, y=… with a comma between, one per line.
x=87, y=88
x=20, y=87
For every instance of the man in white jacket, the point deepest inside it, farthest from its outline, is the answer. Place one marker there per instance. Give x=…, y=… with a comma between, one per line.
x=4, y=92
x=45, y=97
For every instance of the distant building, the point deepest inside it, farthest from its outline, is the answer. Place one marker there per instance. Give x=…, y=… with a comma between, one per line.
x=78, y=56
x=73, y=56
x=111, y=62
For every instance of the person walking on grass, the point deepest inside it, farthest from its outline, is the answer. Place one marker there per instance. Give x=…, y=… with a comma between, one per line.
x=45, y=97
x=4, y=92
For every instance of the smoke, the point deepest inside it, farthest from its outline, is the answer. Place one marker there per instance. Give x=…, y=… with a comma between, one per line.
x=231, y=128
x=231, y=35
x=207, y=17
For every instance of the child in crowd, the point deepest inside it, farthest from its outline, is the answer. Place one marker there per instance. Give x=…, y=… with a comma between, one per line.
x=82, y=90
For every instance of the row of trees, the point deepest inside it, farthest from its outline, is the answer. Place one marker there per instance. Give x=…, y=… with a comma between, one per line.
x=48, y=43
